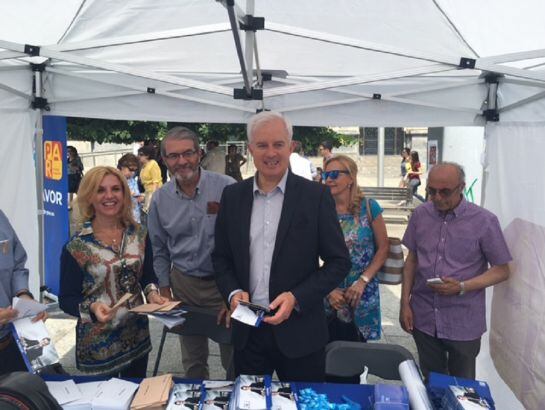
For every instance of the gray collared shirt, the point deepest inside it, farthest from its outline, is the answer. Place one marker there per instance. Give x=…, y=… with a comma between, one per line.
x=266, y=211
x=181, y=229
x=13, y=274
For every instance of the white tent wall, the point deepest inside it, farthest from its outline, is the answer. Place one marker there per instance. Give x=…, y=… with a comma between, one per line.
x=514, y=192
x=18, y=199
x=465, y=145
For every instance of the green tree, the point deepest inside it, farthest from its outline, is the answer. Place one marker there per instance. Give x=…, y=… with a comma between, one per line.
x=126, y=132
x=120, y=132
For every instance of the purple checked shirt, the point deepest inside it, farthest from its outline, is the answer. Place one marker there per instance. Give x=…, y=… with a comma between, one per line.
x=461, y=245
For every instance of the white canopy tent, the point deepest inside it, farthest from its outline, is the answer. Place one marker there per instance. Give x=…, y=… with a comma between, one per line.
x=358, y=62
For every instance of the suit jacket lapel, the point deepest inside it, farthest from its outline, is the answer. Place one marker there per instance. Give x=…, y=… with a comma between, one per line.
x=290, y=203
x=245, y=210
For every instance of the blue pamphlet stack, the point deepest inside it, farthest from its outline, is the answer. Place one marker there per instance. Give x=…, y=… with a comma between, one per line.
x=441, y=391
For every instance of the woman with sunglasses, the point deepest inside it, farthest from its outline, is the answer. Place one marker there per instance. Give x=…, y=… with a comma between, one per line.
x=109, y=257
x=128, y=165
x=367, y=241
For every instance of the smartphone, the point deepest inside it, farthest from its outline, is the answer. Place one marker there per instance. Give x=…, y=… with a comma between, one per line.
x=257, y=308
x=434, y=281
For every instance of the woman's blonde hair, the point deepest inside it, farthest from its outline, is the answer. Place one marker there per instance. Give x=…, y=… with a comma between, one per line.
x=356, y=195
x=89, y=187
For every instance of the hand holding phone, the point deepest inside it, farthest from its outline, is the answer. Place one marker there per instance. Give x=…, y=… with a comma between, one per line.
x=434, y=281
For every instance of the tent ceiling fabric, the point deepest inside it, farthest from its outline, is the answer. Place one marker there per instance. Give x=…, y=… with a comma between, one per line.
x=104, y=56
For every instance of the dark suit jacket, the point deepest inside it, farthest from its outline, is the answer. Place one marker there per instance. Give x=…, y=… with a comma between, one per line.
x=308, y=229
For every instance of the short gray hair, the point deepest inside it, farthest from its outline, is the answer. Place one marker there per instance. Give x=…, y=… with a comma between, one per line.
x=264, y=117
x=178, y=134
x=458, y=167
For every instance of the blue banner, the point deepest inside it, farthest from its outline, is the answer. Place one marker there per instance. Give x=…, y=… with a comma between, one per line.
x=55, y=194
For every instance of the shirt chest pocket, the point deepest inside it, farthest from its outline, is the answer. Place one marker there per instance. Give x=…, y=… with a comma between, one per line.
x=463, y=248
x=6, y=254
x=210, y=224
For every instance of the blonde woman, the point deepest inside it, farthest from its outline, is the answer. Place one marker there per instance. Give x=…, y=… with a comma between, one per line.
x=367, y=240
x=109, y=257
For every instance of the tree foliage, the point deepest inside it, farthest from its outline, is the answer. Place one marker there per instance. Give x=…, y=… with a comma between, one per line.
x=127, y=132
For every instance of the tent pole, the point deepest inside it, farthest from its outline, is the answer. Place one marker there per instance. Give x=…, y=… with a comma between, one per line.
x=238, y=46
x=38, y=144
x=249, y=45
x=380, y=157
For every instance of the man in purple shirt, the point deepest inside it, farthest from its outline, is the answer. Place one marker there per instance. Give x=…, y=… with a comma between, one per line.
x=461, y=244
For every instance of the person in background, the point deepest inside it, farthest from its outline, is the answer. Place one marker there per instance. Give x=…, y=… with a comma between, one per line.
x=181, y=225
x=413, y=175
x=325, y=149
x=405, y=166
x=75, y=172
x=109, y=257
x=300, y=165
x=233, y=161
x=271, y=232
x=150, y=176
x=215, y=158
x=13, y=282
x=357, y=297
x=128, y=165
x=318, y=176
x=461, y=245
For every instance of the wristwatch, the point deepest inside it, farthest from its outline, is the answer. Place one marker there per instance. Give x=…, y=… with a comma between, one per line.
x=365, y=279
x=462, y=289
x=152, y=287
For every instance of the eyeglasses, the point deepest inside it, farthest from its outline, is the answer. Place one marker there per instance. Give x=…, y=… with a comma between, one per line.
x=133, y=169
x=174, y=156
x=444, y=192
x=333, y=174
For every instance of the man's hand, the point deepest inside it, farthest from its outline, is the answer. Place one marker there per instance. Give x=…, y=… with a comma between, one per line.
x=353, y=293
x=154, y=297
x=7, y=315
x=224, y=314
x=245, y=296
x=102, y=311
x=406, y=317
x=285, y=302
x=336, y=299
x=449, y=287
x=166, y=292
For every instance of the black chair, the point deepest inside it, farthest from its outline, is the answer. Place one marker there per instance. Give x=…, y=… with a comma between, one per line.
x=346, y=359
x=198, y=322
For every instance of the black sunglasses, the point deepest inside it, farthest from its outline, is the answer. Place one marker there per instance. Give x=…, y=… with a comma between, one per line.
x=333, y=174
x=443, y=192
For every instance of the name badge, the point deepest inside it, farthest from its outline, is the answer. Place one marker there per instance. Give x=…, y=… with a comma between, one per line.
x=212, y=208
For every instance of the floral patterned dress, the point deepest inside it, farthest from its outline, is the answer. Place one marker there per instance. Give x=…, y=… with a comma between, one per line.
x=359, y=238
x=91, y=272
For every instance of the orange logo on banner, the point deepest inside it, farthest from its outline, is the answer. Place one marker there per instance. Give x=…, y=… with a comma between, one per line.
x=53, y=160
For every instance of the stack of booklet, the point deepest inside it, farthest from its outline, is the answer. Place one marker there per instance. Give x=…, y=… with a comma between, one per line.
x=114, y=394
x=261, y=393
x=153, y=393
x=464, y=398
x=167, y=313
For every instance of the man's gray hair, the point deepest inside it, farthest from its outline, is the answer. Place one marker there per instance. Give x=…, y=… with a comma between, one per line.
x=459, y=168
x=178, y=134
x=264, y=117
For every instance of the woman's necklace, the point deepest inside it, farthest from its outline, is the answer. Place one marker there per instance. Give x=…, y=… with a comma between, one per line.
x=111, y=238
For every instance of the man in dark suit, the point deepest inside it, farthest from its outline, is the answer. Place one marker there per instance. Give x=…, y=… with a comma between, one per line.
x=271, y=231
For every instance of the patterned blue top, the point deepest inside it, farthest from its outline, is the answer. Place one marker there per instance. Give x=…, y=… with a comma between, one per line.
x=133, y=186
x=92, y=271
x=359, y=238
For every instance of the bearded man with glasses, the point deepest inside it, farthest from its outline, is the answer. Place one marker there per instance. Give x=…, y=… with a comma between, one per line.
x=181, y=227
x=456, y=250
